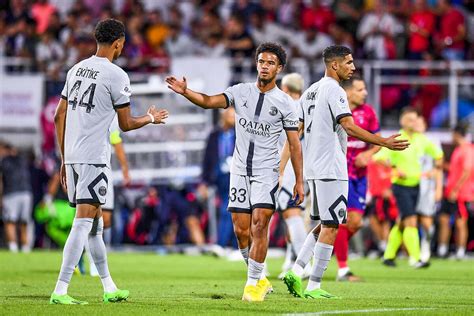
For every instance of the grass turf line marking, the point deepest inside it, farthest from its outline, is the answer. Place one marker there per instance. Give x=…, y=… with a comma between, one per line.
x=378, y=310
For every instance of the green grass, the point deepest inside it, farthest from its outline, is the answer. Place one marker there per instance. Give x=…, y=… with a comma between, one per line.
x=182, y=285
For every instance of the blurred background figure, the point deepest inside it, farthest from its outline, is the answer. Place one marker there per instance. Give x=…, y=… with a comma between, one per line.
x=458, y=195
x=406, y=188
x=431, y=192
x=216, y=172
x=16, y=196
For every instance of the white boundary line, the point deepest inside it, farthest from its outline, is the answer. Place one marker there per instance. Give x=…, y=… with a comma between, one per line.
x=377, y=310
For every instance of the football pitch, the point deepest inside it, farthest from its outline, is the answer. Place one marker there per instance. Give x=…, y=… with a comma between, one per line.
x=203, y=285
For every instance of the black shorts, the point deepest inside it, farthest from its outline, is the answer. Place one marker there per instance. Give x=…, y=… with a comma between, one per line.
x=406, y=197
x=458, y=208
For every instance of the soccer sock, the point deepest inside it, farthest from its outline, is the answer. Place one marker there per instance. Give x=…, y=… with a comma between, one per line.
x=92, y=267
x=322, y=256
x=382, y=244
x=108, y=236
x=245, y=254
x=72, y=252
x=341, y=246
x=254, y=273
x=426, y=244
x=442, y=250
x=288, y=256
x=461, y=252
x=297, y=232
x=411, y=239
x=99, y=254
x=305, y=254
x=394, y=242
x=12, y=246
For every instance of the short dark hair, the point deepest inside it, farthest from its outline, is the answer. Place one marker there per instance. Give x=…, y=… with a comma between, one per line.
x=408, y=110
x=108, y=31
x=350, y=82
x=273, y=48
x=461, y=129
x=335, y=51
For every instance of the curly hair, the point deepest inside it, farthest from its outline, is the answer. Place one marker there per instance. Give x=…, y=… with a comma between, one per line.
x=335, y=51
x=108, y=31
x=273, y=48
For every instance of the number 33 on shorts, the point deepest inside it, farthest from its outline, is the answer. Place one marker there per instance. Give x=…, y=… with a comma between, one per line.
x=249, y=192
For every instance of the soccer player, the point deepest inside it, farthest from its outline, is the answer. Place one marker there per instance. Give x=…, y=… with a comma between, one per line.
x=431, y=192
x=262, y=113
x=459, y=192
x=94, y=91
x=326, y=118
x=359, y=154
x=292, y=84
x=406, y=188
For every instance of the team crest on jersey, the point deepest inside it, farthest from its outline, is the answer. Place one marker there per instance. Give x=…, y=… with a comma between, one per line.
x=342, y=100
x=126, y=91
x=102, y=190
x=342, y=212
x=273, y=111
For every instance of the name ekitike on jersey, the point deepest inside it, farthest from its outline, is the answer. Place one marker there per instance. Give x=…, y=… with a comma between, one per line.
x=255, y=127
x=87, y=73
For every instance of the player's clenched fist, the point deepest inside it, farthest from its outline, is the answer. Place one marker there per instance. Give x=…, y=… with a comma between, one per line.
x=158, y=115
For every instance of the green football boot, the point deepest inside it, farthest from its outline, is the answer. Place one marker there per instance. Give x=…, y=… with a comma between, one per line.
x=65, y=300
x=117, y=296
x=293, y=283
x=319, y=293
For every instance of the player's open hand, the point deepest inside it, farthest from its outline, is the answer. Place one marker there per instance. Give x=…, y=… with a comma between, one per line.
x=62, y=176
x=298, y=193
x=160, y=115
x=396, y=144
x=178, y=86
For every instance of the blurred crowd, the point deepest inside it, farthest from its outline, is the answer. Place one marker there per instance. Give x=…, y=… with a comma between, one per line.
x=54, y=37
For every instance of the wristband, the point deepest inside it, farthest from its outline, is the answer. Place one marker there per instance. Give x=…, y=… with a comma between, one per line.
x=152, y=117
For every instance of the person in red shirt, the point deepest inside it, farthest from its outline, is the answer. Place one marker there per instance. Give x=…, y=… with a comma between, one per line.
x=459, y=192
x=382, y=207
x=421, y=25
x=318, y=17
x=452, y=31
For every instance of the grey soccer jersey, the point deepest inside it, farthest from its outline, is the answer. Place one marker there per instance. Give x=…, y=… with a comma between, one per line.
x=94, y=89
x=322, y=105
x=260, y=119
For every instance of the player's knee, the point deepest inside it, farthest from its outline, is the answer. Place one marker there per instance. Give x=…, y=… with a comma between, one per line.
x=354, y=226
x=242, y=233
x=259, y=228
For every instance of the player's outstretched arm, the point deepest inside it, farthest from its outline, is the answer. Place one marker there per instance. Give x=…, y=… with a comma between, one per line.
x=200, y=99
x=127, y=122
x=353, y=130
x=297, y=161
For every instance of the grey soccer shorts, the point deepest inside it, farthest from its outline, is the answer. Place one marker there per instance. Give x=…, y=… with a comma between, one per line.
x=329, y=201
x=87, y=184
x=17, y=207
x=247, y=193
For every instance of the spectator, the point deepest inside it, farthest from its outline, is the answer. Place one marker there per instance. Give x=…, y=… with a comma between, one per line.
x=452, y=31
x=42, y=11
x=50, y=55
x=246, y=9
x=311, y=44
x=178, y=44
x=348, y=14
x=238, y=41
x=157, y=31
x=459, y=193
x=16, y=197
x=22, y=42
x=213, y=46
x=138, y=53
x=16, y=12
x=216, y=172
x=377, y=30
x=420, y=27
x=266, y=31
x=317, y=16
